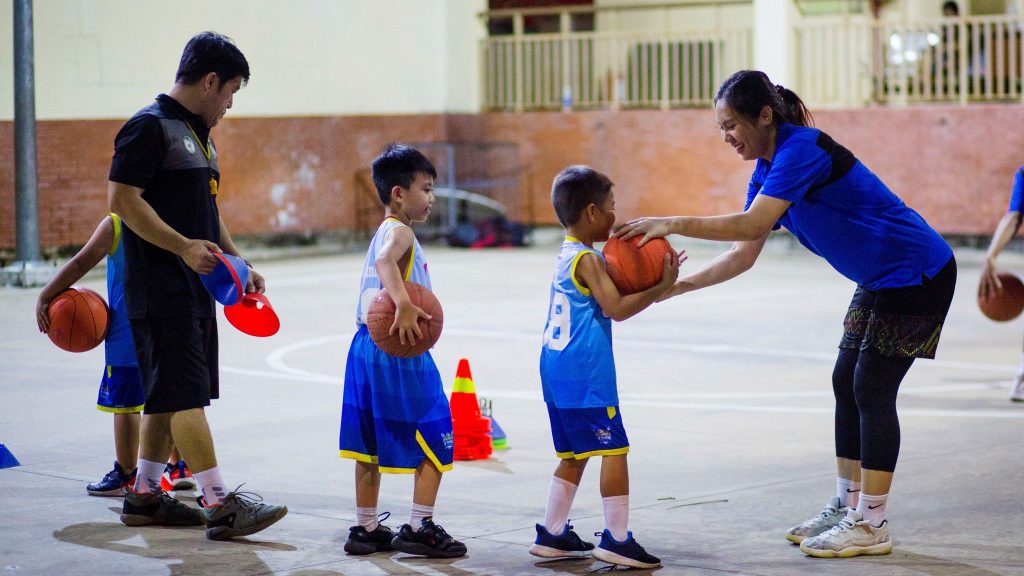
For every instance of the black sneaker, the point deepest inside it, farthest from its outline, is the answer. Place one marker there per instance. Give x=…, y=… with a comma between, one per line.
x=430, y=540
x=240, y=514
x=115, y=483
x=628, y=553
x=157, y=509
x=360, y=542
x=568, y=544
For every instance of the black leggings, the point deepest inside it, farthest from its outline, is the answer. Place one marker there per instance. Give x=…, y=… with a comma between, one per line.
x=867, y=427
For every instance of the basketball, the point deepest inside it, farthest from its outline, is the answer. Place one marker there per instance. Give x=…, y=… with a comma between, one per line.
x=381, y=316
x=635, y=269
x=1009, y=303
x=78, y=320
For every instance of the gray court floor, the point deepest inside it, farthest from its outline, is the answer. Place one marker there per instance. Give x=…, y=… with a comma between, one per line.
x=726, y=395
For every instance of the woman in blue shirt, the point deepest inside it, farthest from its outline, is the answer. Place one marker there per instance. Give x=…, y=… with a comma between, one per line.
x=905, y=274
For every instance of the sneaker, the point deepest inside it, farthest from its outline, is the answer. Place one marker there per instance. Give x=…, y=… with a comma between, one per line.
x=826, y=519
x=240, y=514
x=159, y=509
x=177, y=477
x=360, y=542
x=430, y=540
x=115, y=483
x=565, y=545
x=1017, y=391
x=853, y=536
x=628, y=553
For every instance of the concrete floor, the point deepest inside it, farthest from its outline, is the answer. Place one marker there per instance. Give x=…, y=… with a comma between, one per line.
x=725, y=393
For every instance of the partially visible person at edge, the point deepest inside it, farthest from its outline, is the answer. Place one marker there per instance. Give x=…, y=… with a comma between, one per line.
x=990, y=285
x=163, y=183
x=905, y=274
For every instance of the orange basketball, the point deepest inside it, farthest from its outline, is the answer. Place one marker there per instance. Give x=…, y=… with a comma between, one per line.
x=381, y=316
x=1009, y=303
x=635, y=269
x=78, y=320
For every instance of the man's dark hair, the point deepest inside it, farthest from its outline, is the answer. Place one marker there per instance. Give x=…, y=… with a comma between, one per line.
x=211, y=52
x=575, y=188
x=398, y=165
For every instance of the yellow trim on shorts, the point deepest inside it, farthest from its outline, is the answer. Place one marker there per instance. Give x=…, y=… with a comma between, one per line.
x=611, y=412
x=358, y=456
x=572, y=271
x=430, y=453
x=129, y=410
x=117, y=234
x=585, y=455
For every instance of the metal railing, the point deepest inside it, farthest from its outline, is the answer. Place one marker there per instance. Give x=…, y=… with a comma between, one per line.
x=856, y=61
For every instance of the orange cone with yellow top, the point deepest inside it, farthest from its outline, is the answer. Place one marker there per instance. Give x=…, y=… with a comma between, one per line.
x=470, y=428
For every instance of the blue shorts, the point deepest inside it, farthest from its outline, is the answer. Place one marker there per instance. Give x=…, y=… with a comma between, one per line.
x=584, y=432
x=394, y=412
x=121, y=390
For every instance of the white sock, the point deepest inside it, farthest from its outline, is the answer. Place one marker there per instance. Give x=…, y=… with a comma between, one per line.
x=211, y=485
x=560, y=497
x=419, y=513
x=367, y=518
x=848, y=492
x=872, y=508
x=147, y=479
x=1021, y=371
x=616, y=516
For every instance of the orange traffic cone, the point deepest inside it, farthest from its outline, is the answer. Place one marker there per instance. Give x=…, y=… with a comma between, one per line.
x=471, y=429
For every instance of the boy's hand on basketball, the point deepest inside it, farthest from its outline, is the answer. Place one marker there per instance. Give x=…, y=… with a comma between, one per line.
x=669, y=271
x=42, y=315
x=407, y=323
x=649, y=227
x=990, y=285
x=198, y=256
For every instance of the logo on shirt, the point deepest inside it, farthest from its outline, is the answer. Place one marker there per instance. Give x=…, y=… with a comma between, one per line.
x=449, y=440
x=189, y=144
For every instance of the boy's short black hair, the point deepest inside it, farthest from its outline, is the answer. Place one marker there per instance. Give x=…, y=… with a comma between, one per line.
x=398, y=165
x=574, y=189
x=211, y=52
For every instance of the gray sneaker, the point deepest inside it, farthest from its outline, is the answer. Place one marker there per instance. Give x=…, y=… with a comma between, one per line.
x=240, y=514
x=157, y=509
x=853, y=536
x=826, y=519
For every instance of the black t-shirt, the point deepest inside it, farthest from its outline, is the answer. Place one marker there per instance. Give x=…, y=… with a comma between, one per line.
x=159, y=151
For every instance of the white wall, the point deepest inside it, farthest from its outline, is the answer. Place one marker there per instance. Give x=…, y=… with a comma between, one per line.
x=108, y=58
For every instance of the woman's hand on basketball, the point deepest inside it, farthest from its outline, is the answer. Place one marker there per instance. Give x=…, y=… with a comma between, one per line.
x=407, y=323
x=990, y=286
x=650, y=228
x=42, y=315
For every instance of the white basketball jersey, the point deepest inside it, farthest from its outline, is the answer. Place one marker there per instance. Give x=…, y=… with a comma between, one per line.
x=369, y=283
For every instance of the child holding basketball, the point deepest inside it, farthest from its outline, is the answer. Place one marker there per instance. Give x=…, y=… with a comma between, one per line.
x=395, y=416
x=120, y=387
x=577, y=372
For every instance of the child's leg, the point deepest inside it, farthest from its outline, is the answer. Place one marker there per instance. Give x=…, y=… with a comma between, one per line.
x=615, y=495
x=424, y=492
x=367, y=491
x=126, y=439
x=564, y=483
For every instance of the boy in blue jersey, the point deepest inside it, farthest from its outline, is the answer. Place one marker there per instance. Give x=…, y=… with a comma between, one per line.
x=577, y=372
x=120, y=387
x=990, y=286
x=395, y=416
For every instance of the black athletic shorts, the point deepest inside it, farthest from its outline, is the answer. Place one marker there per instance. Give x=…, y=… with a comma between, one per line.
x=177, y=361
x=901, y=322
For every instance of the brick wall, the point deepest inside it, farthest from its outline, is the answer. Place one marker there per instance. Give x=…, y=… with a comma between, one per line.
x=299, y=175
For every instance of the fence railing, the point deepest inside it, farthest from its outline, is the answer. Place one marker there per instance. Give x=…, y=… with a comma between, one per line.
x=855, y=61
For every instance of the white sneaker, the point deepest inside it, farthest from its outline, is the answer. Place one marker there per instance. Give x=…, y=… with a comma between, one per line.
x=1017, y=391
x=827, y=518
x=853, y=536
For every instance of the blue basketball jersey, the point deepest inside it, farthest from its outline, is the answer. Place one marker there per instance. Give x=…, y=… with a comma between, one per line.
x=1017, y=196
x=369, y=283
x=577, y=369
x=119, y=347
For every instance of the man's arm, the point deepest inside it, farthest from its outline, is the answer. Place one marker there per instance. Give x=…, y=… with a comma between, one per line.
x=127, y=202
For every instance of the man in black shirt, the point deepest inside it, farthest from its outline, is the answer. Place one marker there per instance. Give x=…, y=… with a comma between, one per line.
x=163, y=183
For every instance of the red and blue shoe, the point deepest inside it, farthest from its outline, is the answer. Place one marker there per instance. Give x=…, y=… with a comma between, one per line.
x=177, y=477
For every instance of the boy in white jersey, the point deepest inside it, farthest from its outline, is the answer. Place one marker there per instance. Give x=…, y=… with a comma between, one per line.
x=395, y=416
x=577, y=372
